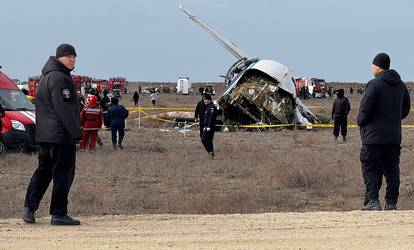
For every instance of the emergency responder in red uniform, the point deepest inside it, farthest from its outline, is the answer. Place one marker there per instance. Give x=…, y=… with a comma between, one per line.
x=91, y=121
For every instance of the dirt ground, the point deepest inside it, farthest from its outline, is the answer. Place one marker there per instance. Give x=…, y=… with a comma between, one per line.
x=321, y=230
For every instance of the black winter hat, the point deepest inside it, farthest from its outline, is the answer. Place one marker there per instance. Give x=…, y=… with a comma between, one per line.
x=65, y=50
x=382, y=60
x=207, y=97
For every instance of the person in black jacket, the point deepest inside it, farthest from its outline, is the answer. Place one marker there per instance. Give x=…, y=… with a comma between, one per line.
x=57, y=130
x=209, y=125
x=385, y=103
x=199, y=115
x=340, y=111
x=136, y=98
x=105, y=103
x=117, y=115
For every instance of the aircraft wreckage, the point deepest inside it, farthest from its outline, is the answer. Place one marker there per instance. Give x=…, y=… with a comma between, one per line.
x=258, y=91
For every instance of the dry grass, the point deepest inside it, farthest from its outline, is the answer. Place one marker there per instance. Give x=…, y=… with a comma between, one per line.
x=169, y=172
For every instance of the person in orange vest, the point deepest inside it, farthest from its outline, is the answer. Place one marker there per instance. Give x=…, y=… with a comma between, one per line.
x=91, y=121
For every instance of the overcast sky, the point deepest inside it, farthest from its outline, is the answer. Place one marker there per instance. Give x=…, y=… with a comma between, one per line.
x=154, y=41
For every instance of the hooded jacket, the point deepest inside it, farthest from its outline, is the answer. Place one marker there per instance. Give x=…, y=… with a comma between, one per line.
x=57, y=105
x=341, y=106
x=385, y=103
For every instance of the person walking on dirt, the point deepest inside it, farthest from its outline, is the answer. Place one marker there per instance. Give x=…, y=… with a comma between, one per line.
x=209, y=125
x=91, y=122
x=340, y=111
x=117, y=115
x=199, y=115
x=57, y=130
x=154, y=97
x=136, y=98
x=385, y=103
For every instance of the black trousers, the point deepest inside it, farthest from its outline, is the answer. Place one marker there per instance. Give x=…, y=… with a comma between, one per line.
x=340, y=124
x=380, y=160
x=121, y=133
x=57, y=162
x=201, y=130
x=207, y=140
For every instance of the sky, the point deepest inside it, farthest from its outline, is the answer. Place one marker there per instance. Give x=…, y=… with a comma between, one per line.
x=154, y=41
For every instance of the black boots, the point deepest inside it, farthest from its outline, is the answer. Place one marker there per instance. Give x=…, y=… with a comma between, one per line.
x=389, y=207
x=28, y=215
x=372, y=205
x=64, y=220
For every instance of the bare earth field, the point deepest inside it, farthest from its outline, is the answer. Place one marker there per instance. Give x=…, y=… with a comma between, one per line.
x=320, y=230
x=162, y=191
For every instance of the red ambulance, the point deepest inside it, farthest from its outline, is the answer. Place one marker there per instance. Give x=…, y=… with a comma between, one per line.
x=19, y=122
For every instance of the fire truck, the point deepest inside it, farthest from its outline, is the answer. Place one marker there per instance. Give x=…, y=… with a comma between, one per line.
x=33, y=82
x=18, y=130
x=316, y=87
x=100, y=85
x=82, y=84
x=117, y=84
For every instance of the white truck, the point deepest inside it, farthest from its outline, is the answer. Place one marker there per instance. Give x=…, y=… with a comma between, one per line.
x=184, y=86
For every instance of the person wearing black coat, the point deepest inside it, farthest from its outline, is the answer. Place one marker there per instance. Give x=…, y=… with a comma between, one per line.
x=117, y=115
x=136, y=98
x=385, y=103
x=199, y=115
x=57, y=130
x=209, y=125
x=340, y=111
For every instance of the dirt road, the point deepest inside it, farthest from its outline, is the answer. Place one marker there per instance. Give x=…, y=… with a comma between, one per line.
x=323, y=230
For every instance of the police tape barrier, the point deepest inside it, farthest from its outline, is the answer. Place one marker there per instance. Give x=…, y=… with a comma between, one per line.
x=157, y=118
x=316, y=125
x=162, y=108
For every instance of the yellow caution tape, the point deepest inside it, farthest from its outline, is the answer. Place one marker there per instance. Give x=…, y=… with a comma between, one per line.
x=316, y=125
x=162, y=108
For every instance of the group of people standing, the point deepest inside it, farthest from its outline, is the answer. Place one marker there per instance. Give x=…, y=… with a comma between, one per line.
x=154, y=97
x=59, y=119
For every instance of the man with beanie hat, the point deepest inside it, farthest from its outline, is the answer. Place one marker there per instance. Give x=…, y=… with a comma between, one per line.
x=340, y=111
x=385, y=103
x=57, y=130
x=209, y=125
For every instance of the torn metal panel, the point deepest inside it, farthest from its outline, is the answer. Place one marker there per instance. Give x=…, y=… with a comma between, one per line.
x=259, y=91
x=260, y=99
